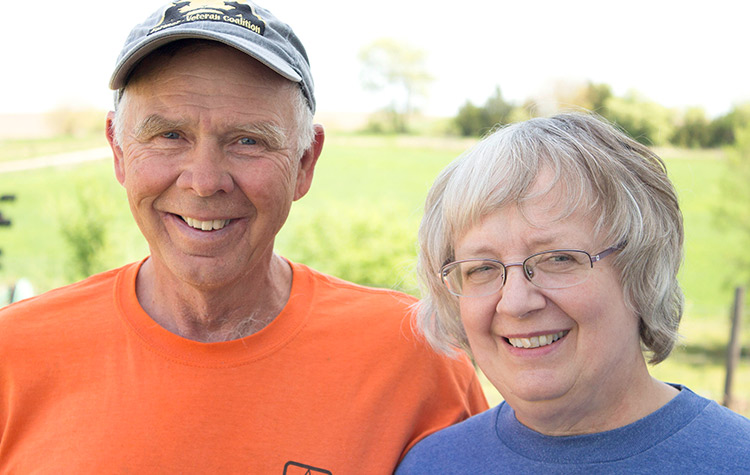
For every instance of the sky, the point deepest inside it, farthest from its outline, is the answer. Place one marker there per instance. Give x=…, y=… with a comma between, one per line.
x=677, y=53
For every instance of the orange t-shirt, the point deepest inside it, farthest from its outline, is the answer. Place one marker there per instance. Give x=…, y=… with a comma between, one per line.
x=335, y=384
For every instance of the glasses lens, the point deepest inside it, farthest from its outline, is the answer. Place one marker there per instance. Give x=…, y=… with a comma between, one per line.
x=473, y=278
x=558, y=269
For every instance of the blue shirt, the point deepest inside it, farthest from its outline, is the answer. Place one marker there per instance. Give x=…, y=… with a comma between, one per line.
x=690, y=434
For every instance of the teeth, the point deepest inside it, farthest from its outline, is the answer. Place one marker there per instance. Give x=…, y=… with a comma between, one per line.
x=206, y=225
x=536, y=341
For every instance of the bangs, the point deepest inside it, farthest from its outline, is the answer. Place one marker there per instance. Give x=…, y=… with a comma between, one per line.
x=505, y=171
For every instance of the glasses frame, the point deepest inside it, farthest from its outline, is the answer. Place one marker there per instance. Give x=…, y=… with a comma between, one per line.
x=450, y=266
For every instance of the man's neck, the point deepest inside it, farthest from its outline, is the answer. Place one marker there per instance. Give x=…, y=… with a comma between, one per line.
x=214, y=315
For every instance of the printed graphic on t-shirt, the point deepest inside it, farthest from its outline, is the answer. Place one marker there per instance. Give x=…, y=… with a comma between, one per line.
x=294, y=468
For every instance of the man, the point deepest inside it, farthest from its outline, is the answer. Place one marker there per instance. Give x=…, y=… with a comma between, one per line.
x=213, y=354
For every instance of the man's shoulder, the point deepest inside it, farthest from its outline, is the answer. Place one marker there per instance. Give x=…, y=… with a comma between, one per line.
x=468, y=431
x=356, y=294
x=372, y=316
x=447, y=449
x=49, y=305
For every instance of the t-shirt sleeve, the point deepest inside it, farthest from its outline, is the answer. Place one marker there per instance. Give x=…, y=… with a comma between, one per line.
x=451, y=394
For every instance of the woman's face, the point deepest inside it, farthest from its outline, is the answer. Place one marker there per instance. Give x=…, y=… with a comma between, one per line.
x=578, y=377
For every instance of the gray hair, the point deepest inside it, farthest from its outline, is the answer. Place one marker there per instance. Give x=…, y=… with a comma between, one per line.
x=600, y=169
x=303, y=116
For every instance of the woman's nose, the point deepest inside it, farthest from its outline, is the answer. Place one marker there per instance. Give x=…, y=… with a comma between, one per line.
x=519, y=296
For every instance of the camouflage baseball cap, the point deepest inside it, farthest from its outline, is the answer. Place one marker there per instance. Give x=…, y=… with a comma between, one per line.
x=240, y=24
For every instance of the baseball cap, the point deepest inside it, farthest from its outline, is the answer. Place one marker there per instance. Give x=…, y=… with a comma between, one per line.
x=240, y=24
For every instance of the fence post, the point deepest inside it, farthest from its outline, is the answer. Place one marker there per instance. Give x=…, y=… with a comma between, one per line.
x=733, y=350
x=3, y=220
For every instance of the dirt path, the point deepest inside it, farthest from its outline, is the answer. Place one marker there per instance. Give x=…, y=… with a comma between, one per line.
x=62, y=159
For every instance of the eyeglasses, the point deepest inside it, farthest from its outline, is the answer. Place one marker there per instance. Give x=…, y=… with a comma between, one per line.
x=557, y=269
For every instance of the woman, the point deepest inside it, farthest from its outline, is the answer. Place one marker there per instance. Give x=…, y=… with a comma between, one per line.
x=549, y=252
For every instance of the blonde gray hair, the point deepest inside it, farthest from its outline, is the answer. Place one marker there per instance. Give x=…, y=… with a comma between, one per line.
x=601, y=170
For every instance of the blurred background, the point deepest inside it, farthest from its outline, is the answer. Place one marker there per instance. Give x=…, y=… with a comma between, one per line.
x=403, y=87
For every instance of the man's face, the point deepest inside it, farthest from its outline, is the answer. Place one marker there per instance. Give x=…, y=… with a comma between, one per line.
x=207, y=157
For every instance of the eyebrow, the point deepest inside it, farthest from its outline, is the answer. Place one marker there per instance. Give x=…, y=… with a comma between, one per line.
x=155, y=125
x=273, y=135
x=485, y=250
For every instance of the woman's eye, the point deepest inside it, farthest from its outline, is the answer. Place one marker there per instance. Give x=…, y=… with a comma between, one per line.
x=480, y=272
x=248, y=141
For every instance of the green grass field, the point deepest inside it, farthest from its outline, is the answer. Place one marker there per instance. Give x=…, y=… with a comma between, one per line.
x=359, y=221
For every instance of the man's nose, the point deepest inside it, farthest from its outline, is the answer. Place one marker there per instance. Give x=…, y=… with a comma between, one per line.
x=205, y=171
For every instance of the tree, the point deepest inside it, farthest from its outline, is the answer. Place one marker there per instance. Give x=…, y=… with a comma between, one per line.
x=693, y=129
x=647, y=122
x=734, y=209
x=85, y=231
x=497, y=110
x=473, y=120
x=595, y=96
x=469, y=120
x=722, y=129
x=388, y=63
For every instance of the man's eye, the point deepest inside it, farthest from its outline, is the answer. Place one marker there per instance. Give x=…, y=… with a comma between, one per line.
x=171, y=135
x=248, y=141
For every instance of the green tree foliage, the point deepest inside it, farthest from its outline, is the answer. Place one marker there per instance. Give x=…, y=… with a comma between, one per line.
x=372, y=245
x=84, y=229
x=692, y=130
x=566, y=95
x=734, y=210
x=722, y=129
x=388, y=63
x=644, y=120
x=469, y=120
x=474, y=121
x=596, y=97
x=648, y=122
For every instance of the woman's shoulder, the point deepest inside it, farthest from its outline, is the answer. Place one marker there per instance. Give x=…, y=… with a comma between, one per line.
x=709, y=412
x=715, y=436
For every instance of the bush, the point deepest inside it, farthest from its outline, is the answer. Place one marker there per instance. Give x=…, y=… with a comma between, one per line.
x=733, y=211
x=476, y=121
x=84, y=230
x=693, y=129
x=647, y=122
x=367, y=244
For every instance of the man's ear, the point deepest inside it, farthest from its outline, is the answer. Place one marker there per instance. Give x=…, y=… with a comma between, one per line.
x=307, y=163
x=116, y=149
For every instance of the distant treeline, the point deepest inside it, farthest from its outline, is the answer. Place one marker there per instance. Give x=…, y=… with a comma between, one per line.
x=646, y=121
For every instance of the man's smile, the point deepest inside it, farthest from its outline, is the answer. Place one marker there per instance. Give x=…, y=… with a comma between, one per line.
x=205, y=225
